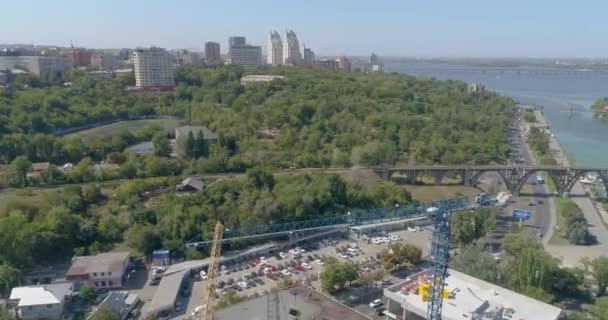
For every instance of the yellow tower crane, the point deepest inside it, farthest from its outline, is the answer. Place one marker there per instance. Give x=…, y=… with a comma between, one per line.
x=214, y=260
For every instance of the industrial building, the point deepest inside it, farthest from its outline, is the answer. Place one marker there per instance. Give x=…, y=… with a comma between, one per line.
x=465, y=298
x=153, y=68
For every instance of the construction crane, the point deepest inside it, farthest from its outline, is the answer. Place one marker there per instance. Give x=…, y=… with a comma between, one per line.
x=214, y=260
x=441, y=215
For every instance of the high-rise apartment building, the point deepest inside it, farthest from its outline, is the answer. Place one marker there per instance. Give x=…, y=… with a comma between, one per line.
x=309, y=57
x=275, y=49
x=291, y=49
x=212, y=52
x=153, y=67
x=236, y=41
x=344, y=63
x=246, y=55
x=183, y=57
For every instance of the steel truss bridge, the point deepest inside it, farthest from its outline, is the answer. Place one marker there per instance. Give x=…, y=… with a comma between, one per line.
x=514, y=177
x=344, y=221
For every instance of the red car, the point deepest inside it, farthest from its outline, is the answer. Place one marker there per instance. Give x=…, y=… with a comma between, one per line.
x=299, y=268
x=256, y=262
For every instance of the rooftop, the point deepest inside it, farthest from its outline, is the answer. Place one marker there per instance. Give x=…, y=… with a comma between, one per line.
x=103, y=262
x=184, y=130
x=260, y=78
x=470, y=297
x=192, y=182
x=299, y=300
x=40, y=295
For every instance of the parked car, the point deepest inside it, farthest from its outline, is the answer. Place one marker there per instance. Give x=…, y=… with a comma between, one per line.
x=376, y=303
x=306, y=266
x=203, y=275
x=285, y=272
x=283, y=255
x=319, y=262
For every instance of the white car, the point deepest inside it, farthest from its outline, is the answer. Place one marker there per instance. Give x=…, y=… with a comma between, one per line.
x=203, y=274
x=376, y=303
x=243, y=284
x=376, y=241
x=196, y=310
x=263, y=260
x=285, y=272
x=300, y=250
x=293, y=251
x=342, y=255
x=411, y=229
x=306, y=266
x=319, y=262
x=386, y=240
x=394, y=238
x=282, y=255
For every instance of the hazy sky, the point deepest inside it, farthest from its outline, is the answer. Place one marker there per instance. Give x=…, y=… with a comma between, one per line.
x=479, y=28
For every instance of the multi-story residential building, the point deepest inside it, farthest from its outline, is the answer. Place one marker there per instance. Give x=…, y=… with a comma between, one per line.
x=153, y=68
x=104, y=270
x=39, y=65
x=104, y=61
x=212, y=52
x=183, y=57
x=40, y=302
x=373, y=59
x=328, y=64
x=236, y=41
x=80, y=57
x=275, y=49
x=246, y=55
x=291, y=49
x=309, y=57
x=344, y=63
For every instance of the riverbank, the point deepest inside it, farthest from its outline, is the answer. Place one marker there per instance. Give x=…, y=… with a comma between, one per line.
x=571, y=255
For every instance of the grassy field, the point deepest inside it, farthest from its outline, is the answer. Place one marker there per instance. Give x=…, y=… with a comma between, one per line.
x=131, y=126
x=435, y=193
x=562, y=205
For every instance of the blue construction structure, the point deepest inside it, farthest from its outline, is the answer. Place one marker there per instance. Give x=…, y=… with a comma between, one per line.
x=440, y=252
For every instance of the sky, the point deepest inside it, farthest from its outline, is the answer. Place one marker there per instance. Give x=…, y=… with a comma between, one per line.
x=413, y=28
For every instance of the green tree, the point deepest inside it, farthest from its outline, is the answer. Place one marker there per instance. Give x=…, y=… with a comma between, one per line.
x=9, y=278
x=129, y=169
x=21, y=165
x=601, y=308
x=398, y=255
x=161, y=145
x=336, y=275
x=599, y=271
x=230, y=298
x=200, y=147
x=105, y=313
x=143, y=238
x=469, y=226
x=87, y=293
x=260, y=178
x=473, y=260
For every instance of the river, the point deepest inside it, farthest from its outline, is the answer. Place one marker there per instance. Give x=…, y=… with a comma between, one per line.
x=585, y=139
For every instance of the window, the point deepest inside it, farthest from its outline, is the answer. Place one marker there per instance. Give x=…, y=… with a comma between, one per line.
x=97, y=284
x=110, y=283
x=29, y=307
x=103, y=274
x=103, y=283
x=109, y=273
x=94, y=274
x=50, y=306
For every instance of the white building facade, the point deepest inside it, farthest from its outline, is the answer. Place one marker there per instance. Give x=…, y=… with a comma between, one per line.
x=153, y=68
x=291, y=49
x=275, y=49
x=40, y=302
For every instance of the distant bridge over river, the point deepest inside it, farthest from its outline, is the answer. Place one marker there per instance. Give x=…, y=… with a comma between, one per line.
x=514, y=177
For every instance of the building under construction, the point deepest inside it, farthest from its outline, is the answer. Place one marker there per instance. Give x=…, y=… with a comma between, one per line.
x=297, y=302
x=465, y=298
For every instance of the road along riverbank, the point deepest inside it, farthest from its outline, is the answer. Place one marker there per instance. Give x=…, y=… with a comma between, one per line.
x=571, y=255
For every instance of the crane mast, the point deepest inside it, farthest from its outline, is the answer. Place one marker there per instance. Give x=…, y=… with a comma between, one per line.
x=214, y=259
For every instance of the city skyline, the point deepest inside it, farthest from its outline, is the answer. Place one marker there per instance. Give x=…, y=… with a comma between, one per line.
x=445, y=29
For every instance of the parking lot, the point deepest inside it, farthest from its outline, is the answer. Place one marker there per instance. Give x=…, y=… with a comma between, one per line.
x=304, y=264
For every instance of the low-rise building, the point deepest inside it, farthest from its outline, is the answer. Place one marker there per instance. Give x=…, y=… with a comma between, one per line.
x=100, y=74
x=40, y=302
x=104, y=270
x=260, y=78
x=184, y=131
x=38, y=65
x=105, y=61
x=465, y=298
x=191, y=185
